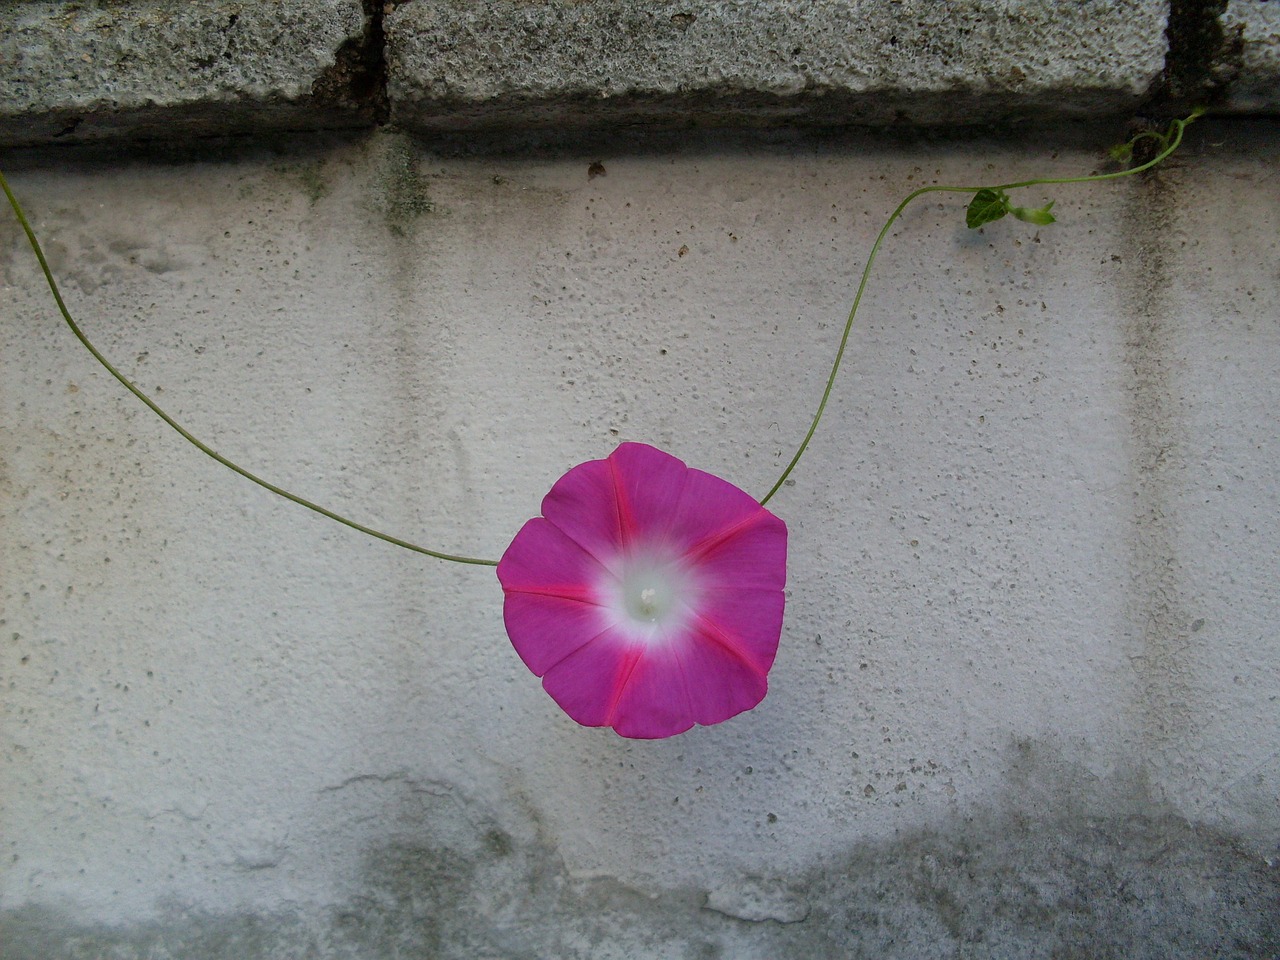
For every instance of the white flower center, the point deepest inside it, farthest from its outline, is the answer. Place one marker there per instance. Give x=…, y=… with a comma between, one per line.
x=647, y=598
x=652, y=597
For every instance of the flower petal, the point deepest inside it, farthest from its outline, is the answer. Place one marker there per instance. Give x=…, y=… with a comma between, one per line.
x=651, y=692
x=546, y=629
x=587, y=683
x=711, y=508
x=542, y=559
x=750, y=556
x=649, y=483
x=583, y=504
x=748, y=622
x=655, y=701
x=726, y=681
x=552, y=588
x=639, y=690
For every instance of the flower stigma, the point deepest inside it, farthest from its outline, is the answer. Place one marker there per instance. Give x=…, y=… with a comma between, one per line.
x=653, y=596
x=647, y=604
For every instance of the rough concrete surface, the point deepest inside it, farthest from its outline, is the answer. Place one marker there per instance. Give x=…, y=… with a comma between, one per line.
x=1252, y=33
x=152, y=69
x=1026, y=702
x=1136, y=889
x=504, y=62
x=74, y=71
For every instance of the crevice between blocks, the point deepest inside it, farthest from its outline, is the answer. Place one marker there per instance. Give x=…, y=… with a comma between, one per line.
x=1203, y=59
x=358, y=78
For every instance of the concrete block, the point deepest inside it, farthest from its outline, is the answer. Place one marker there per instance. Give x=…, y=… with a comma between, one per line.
x=86, y=71
x=1252, y=29
x=501, y=63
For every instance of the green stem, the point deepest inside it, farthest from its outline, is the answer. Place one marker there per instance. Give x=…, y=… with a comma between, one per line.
x=187, y=435
x=1172, y=140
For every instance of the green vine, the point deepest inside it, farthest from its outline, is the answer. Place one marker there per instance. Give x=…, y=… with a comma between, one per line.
x=988, y=204
x=186, y=434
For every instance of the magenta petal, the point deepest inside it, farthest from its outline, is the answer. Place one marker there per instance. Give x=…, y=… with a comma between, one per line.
x=649, y=483
x=551, y=587
x=753, y=556
x=587, y=683
x=747, y=621
x=657, y=692
x=656, y=701
x=546, y=629
x=711, y=508
x=542, y=559
x=727, y=683
x=743, y=576
x=583, y=505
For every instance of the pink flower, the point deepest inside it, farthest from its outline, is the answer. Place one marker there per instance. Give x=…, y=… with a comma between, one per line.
x=648, y=596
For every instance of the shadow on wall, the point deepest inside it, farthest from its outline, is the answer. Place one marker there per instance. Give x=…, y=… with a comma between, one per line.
x=1121, y=887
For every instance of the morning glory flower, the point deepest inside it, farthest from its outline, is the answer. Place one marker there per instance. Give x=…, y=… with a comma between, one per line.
x=648, y=596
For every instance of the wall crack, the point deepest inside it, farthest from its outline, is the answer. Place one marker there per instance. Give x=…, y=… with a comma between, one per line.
x=358, y=77
x=1204, y=58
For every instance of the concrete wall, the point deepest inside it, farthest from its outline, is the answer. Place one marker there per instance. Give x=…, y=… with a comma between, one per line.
x=1027, y=701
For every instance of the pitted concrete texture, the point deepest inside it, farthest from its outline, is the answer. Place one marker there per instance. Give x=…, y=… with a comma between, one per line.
x=496, y=62
x=149, y=70
x=1027, y=698
x=1252, y=29
x=1136, y=888
x=154, y=69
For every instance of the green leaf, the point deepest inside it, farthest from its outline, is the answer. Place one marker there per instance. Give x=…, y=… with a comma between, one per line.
x=1037, y=215
x=987, y=205
x=1121, y=152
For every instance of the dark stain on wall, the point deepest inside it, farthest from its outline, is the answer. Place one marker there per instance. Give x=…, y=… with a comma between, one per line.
x=1103, y=888
x=1159, y=618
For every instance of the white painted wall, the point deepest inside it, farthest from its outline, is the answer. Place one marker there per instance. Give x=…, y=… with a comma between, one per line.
x=1034, y=547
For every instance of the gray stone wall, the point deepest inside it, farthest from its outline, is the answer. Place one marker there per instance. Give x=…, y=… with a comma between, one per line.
x=71, y=72
x=415, y=260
